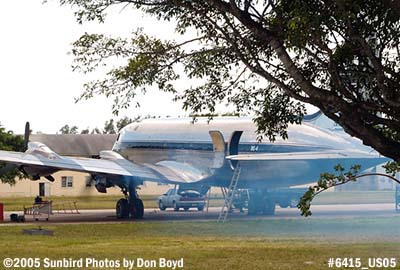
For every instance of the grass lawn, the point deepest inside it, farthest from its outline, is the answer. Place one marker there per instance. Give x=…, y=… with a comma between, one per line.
x=257, y=244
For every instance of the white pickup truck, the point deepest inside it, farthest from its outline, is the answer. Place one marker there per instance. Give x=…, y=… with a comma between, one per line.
x=181, y=199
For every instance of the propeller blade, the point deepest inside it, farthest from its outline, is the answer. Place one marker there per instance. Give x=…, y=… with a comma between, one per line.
x=26, y=135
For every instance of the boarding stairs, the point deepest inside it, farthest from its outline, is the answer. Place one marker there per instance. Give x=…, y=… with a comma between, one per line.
x=66, y=208
x=229, y=194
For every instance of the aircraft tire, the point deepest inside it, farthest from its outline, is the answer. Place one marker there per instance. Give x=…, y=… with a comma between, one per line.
x=139, y=209
x=256, y=205
x=252, y=208
x=122, y=209
x=269, y=207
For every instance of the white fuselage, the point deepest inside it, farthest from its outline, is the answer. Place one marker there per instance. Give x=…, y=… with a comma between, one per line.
x=182, y=145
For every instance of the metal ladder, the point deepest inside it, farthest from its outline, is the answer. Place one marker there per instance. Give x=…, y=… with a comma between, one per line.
x=229, y=195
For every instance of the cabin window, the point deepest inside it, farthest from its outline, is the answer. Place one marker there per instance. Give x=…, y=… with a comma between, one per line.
x=67, y=181
x=161, y=184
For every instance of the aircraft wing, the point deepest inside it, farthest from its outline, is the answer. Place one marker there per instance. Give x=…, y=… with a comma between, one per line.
x=113, y=165
x=307, y=164
x=332, y=154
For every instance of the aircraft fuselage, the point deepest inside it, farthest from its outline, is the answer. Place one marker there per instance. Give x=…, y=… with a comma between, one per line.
x=187, y=148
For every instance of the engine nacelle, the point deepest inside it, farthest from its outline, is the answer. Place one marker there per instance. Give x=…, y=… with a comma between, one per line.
x=35, y=172
x=101, y=183
x=38, y=148
x=110, y=155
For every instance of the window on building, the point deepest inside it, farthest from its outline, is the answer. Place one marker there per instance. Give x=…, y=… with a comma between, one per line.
x=67, y=181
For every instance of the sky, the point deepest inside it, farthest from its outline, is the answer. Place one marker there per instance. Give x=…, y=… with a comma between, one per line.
x=37, y=82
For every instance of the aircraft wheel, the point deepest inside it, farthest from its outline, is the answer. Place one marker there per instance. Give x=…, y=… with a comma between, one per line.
x=255, y=205
x=122, y=208
x=269, y=207
x=161, y=206
x=139, y=209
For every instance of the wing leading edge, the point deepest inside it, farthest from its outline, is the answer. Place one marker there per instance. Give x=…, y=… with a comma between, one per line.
x=113, y=164
x=332, y=154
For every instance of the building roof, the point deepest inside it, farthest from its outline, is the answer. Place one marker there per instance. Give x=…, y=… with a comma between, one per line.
x=86, y=145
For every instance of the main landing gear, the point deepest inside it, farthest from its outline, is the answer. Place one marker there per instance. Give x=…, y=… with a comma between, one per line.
x=261, y=203
x=130, y=206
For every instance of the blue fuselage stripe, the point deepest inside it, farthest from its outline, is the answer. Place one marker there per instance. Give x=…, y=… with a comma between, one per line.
x=205, y=146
